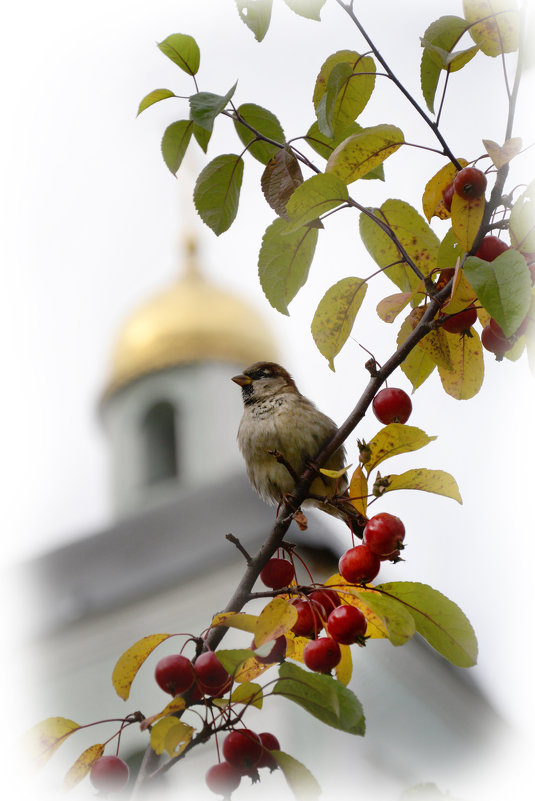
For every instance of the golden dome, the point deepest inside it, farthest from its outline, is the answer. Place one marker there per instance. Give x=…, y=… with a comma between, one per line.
x=191, y=321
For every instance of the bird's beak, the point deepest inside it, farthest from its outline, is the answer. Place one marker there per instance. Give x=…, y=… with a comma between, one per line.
x=242, y=380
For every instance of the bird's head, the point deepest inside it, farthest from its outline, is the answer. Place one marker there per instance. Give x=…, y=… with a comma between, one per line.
x=263, y=380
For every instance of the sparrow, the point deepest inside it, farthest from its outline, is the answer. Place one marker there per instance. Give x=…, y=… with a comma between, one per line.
x=279, y=435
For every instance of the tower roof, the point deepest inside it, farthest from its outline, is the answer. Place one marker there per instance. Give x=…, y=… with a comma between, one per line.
x=192, y=320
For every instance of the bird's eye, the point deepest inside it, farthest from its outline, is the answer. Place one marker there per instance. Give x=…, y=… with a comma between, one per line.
x=262, y=372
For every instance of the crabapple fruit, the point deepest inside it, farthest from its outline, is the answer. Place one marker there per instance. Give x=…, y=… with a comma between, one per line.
x=347, y=624
x=109, y=774
x=322, y=655
x=470, y=183
x=277, y=573
x=243, y=749
x=174, y=674
x=359, y=565
x=223, y=779
x=384, y=534
x=392, y=405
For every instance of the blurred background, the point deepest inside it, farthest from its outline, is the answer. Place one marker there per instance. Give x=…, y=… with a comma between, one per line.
x=96, y=227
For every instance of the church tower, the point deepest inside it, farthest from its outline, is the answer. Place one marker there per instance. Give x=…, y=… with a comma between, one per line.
x=169, y=408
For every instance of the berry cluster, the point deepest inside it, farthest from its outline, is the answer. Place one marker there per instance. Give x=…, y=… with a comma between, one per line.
x=244, y=753
x=175, y=674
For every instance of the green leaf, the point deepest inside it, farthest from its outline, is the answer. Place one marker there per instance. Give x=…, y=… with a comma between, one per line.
x=397, y=620
x=266, y=124
x=443, y=33
x=232, y=659
x=175, y=142
x=453, y=61
x=393, y=439
x=217, y=192
x=352, y=100
x=503, y=287
x=306, y=8
x=335, y=315
x=284, y=261
x=522, y=221
x=322, y=696
x=437, y=481
x=498, y=32
x=300, y=780
x=183, y=51
x=280, y=179
x=248, y=693
x=445, y=627
x=154, y=97
x=414, y=234
x=417, y=365
x=449, y=251
x=324, y=145
x=314, y=197
x=337, y=80
x=257, y=15
x=205, y=106
x=364, y=151
x=202, y=136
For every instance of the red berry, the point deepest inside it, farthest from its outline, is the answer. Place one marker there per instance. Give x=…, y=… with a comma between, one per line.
x=392, y=405
x=243, y=749
x=211, y=674
x=384, y=534
x=447, y=196
x=490, y=248
x=359, y=565
x=347, y=624
x=470, y=183
x=271, y=652
x=309, y=618
x=496, y=329
x=322, y=655
x=174, y=674
x=223, y=779
x=269, y=743
x=461, y=322
x=109, y=774
x=277, y=573
x=329, y=599
x=494, y=343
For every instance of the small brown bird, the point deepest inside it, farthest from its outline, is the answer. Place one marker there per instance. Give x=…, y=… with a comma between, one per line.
x=278, y=418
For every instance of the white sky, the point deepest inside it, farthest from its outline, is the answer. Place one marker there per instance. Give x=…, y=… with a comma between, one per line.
x=92, y=219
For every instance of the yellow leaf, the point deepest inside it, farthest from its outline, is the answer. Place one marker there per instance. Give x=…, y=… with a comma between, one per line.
x=435, y=346
x=358, y=491
x=462, y=294
x=129, y=663
x=432, y=201
x=176, y=705
x=465, y=378
x=344, y=668
x=376, y=628
x=466, y=218
x=170, y=735
x=250, y=669
x=335, y=473
x=498, y=30
x=296, y=646
x=236, y=620
x=483, y=316
x=388, y=308
x=417, y=365
x=82, y=766
x=276, y=619
x=248, y=693
x=503, y=155
x=45, y=738
x=362, y=152
x=393, y=439
x=437, y=481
